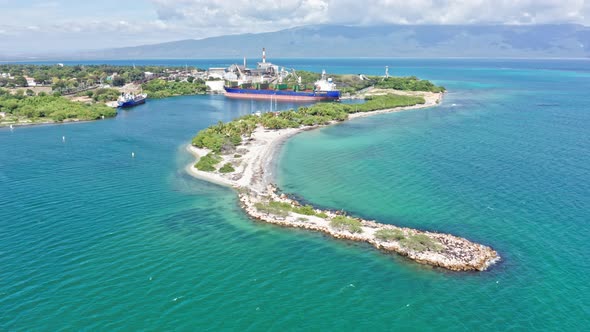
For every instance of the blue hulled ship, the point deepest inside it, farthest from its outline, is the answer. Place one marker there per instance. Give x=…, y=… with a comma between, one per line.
x=268, y=81
x=131, y=99
x=287, y=94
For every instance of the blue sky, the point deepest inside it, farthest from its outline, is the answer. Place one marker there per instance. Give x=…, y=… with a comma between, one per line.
x=37, y=26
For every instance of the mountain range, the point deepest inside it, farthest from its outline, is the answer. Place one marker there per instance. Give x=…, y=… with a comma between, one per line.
x=527, y=41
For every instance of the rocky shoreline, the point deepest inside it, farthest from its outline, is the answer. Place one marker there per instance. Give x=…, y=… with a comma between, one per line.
x=457, y=254
x=259, y=198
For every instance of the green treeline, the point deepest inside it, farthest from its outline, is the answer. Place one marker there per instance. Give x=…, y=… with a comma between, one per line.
x=159, y=88
x=348, y=83
x=411, y=83
x=43, y=107
x=224, y=137
x=101, y=94
x=63, y=78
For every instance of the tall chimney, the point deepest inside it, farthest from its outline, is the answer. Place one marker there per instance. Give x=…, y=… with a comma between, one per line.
x=263, y=55
x=244, y=62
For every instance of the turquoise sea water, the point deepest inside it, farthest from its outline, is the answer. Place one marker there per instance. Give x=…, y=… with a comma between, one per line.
x=92, y=239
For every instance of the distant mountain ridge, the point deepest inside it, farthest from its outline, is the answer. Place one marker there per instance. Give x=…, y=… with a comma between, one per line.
x=558, y=40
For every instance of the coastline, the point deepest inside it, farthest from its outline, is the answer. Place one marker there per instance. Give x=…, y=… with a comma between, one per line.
x=46, y=123
x=253, y=181
x=112, y=104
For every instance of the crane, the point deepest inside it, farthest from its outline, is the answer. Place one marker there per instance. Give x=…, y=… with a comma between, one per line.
x=294, y=73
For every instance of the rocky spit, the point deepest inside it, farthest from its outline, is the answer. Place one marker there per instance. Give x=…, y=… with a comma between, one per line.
x=252, y=179
x=454, y=253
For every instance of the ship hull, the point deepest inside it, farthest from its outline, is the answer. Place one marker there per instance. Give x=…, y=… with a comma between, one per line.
x=131, y=103
x=281, y=94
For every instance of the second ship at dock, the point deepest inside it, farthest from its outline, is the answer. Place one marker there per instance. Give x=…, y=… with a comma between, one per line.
x=266, y=82
x=130, y=99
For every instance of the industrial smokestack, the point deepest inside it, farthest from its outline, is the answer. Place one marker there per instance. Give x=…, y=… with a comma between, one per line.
x=244, y=62
x=263, y=55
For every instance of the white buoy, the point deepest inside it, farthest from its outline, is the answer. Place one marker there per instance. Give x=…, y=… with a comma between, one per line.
x=11, y=128
x=132, y=154
x=63, y=138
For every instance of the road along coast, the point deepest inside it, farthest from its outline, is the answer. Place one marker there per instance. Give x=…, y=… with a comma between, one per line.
x=252, y=178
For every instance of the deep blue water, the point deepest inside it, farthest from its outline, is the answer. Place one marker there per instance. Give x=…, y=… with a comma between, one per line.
x=93, y=239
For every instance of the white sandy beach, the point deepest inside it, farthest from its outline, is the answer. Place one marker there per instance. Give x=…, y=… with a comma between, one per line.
x=257, y=153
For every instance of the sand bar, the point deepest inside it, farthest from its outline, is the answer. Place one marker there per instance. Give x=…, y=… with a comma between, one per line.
x=253, y=180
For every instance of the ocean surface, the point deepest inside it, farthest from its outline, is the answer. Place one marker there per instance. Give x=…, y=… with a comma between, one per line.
x=93, y=239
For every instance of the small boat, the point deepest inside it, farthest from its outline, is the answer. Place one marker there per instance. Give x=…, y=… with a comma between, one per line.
x=131, y=99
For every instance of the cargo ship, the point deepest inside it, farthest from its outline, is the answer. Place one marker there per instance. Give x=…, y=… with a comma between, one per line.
x=282, y=92
x=130, y=100
x=266, y=81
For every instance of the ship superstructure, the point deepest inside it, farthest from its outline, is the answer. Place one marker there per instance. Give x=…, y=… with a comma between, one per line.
x=131, y=99
x=270, y=81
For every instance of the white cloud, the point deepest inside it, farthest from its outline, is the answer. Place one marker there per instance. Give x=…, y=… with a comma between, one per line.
x=55, y=24
x=266, y=14
x=239, y=16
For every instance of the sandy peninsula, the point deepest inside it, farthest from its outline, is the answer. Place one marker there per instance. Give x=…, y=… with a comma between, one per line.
x=259, y=198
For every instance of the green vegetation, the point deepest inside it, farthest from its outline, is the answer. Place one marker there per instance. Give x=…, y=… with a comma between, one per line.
x=281, y=205
x=227, y=168
x=420, y=243
x=343, y=223
x=322, y=215
x=65, y=78
x=272, y=208
x=411, y=83
x=103, y=94
x=224, y=137
x=83, y=80
x=307, y=77
x=159, y=88
x=353, y=83
x=385, y=234
x=349, y=83
x=283, y=209
x=42, y=108
x=207, y=163
x=118, y=81
x=307, y=210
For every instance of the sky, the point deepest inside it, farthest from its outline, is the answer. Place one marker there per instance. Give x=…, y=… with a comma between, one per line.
x=38, y=26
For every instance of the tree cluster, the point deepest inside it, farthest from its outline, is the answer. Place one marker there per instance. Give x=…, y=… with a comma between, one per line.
x=63, y=78
x=411, y=83
x=224, y=137
x=159, y=88
x=349, y=83
x=50, y=107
